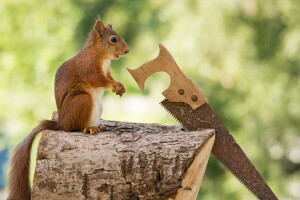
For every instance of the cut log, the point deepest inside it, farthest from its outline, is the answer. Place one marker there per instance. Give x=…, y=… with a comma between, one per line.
x=125, y=161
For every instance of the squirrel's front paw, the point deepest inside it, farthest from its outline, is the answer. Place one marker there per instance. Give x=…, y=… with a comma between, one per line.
x=118, y=88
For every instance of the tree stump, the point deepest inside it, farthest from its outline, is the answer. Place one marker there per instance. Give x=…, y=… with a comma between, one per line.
x=125, y=161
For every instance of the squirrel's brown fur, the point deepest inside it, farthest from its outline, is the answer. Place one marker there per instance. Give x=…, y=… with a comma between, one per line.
x=78, y=84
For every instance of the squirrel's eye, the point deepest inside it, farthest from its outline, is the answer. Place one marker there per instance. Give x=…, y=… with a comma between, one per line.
x=113, y=39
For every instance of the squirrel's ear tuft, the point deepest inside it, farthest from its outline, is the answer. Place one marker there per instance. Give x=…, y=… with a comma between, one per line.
x=99, y=27
x=109, y=26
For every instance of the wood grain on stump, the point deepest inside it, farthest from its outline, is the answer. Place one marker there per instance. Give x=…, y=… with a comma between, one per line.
x=124, y=161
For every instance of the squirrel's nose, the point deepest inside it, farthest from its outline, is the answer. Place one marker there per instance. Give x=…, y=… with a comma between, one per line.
x=126, y=51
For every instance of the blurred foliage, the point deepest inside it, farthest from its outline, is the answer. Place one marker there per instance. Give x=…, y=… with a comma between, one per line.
x=244, y=55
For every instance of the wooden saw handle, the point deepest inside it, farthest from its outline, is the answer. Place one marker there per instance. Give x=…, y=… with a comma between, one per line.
x=181, y=89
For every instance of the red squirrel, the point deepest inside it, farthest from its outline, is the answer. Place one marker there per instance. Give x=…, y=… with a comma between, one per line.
x=79, y=84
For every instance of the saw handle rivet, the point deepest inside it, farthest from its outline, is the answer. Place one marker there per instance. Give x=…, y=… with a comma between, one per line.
x=194, y=98
x=181, y=91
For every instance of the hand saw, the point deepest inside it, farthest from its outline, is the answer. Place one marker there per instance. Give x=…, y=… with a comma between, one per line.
x=186, y=103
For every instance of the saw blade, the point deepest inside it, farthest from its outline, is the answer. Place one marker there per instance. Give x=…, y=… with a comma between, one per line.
x=225, y=148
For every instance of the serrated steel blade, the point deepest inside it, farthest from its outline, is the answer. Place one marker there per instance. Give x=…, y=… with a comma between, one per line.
x=225, y=148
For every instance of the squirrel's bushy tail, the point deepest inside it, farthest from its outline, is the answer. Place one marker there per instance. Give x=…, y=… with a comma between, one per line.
x=19, y=186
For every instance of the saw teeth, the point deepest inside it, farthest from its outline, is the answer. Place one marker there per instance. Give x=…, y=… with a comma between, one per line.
x=161, y=103
x=234, y=175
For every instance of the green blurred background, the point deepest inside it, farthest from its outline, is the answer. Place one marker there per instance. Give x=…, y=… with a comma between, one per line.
x=243, y=54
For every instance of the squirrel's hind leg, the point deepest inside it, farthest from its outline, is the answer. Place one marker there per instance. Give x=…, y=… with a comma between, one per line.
x=75, y=113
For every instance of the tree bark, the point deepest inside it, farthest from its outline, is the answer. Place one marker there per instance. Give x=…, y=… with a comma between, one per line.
x=124, y=161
